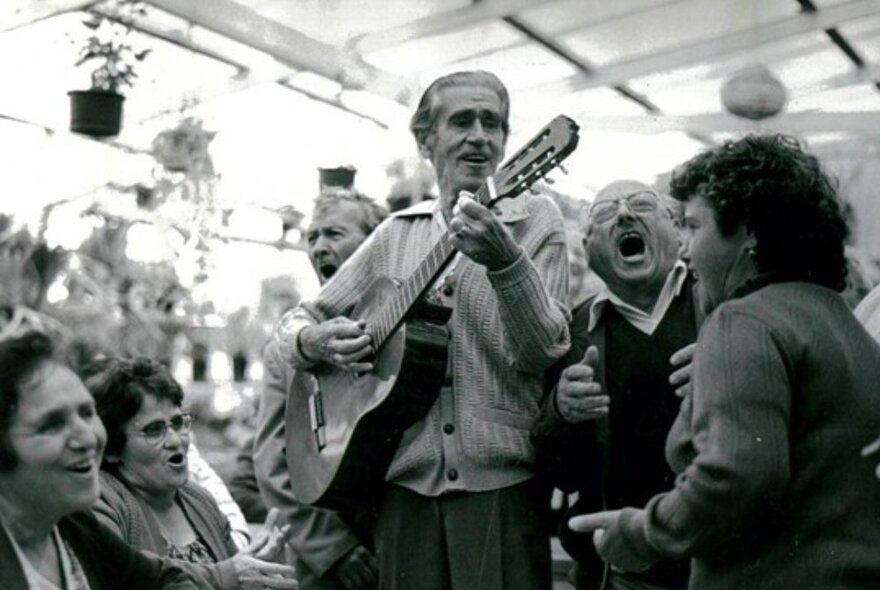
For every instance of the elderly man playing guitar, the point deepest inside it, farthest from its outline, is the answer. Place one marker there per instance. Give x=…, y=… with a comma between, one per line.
x=478, y=296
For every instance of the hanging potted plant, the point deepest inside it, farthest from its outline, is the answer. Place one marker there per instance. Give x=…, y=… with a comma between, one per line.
x=98, y=111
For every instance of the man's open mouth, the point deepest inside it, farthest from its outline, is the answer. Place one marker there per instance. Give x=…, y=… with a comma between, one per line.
x=631, y=245
x=177, y=460
x=327, y=270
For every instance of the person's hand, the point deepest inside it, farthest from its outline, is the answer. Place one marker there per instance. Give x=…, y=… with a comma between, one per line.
x=340, y=341
x=578, y=397
x=480, y=236
x=873, y=450
x=268, y=544
x=608, y=541
x=357, y=570
x=255, y=574
x=596, y=523
x=681, y=376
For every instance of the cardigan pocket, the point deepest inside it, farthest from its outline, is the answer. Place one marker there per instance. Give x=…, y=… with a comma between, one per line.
x=505, y=417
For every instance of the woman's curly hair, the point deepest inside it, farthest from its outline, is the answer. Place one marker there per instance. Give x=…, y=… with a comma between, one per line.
x=119, y=387
x=780, y=193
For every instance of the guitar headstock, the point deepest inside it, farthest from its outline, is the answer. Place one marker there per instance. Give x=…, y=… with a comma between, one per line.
x=544, y=152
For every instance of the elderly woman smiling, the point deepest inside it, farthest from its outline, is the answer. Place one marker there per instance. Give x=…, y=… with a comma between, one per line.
x=146, y=496
x=771, y=490
x=51, y=442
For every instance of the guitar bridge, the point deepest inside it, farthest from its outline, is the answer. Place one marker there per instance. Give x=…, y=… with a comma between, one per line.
x=316, y=419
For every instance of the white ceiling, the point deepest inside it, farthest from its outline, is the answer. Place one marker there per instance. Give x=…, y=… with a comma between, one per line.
x=290, y=85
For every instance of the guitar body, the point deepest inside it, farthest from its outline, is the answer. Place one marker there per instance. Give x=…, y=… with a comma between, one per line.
x=342, y=430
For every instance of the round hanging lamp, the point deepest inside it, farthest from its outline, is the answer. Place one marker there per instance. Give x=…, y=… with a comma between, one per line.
x=753, y=93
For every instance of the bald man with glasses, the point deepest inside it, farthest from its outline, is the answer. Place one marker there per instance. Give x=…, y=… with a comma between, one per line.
x=604, y=426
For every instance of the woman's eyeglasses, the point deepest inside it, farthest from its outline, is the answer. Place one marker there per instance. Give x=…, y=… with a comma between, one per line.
x=155, y=432
x=641, y=202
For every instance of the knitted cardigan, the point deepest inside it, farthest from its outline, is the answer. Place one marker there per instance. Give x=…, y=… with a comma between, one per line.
x=129, y=516
x=507, y=327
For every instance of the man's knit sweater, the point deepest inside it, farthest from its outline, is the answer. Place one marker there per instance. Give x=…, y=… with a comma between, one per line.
x=507, y=327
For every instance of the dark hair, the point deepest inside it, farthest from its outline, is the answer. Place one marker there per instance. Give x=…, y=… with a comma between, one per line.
x=780, y=193
x=372, y=213
x=20, y=358
x=119, y=388
x=425, y=117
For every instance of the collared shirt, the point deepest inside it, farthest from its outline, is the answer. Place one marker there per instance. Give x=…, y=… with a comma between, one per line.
x=641, y=320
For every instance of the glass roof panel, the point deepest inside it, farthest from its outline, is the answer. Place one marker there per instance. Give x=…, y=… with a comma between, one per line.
x=427, y=52
x=654, y=30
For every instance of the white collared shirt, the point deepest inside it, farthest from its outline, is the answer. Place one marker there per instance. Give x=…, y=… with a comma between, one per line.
x=641, y=320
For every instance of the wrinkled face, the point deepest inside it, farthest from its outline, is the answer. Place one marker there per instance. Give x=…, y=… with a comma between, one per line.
x=154, y=468
x=467, y=141
x=631, y=249
x=58, y=440
x=333, y=236
x=721, y=263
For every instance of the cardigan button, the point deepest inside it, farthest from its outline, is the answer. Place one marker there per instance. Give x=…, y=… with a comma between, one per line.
x=448, y=289
x=448, y=428
x=452, y=475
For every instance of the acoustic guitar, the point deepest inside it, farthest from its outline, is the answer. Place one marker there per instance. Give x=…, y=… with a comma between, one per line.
x=342, y=429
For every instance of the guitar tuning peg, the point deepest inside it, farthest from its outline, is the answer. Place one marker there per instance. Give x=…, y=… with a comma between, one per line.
x=563, y=168
x=549, y=180
x=533, y=190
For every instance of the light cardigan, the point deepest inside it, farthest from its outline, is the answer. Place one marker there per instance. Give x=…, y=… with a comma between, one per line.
x=507, y=327
x=773, y=492
x=129, y=516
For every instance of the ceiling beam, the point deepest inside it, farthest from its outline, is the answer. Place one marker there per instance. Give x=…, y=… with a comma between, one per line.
x=52, y=132
x=19, y=14
x=837, y=38
x=868, y=73
x=801, y=123
x=716, y=47
x=443, y=22
x=250, y=73
x=289, y=46
x=561, y=51
x=574, y=26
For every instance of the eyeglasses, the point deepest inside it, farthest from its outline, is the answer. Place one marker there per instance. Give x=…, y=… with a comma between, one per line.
x=641, y=202
x=155, y=432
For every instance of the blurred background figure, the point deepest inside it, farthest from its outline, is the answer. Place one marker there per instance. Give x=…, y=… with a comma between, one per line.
x=51, y=445
x=147, y=497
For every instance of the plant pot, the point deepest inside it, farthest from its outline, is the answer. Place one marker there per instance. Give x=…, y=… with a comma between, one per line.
x=97, y=113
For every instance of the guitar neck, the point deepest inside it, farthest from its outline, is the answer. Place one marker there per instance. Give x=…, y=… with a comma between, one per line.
x=413, y=287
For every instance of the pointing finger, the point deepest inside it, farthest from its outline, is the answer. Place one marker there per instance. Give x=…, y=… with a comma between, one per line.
x=587, y=523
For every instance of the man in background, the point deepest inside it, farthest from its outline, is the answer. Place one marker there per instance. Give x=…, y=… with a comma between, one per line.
x=604, y=427
x=332, y=551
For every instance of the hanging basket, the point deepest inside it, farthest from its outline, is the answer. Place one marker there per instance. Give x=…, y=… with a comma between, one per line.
x=97, y=113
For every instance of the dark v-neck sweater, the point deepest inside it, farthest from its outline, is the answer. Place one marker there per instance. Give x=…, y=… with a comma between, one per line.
x=643, y=403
